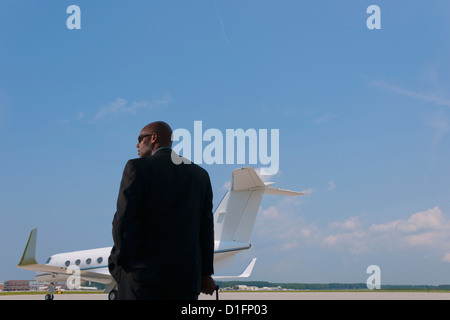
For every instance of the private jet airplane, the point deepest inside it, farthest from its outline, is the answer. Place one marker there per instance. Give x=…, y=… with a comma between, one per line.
x=233, y=223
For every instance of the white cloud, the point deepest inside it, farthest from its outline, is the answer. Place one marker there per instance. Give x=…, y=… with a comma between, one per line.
x=428, y=228
x=345, y=236
x=325, y=118
x=283, y=227
x=425, y=229
x=446, y=258
x=121, y=106
x=351, y=224
x=80, y=115
x=431, y=97
x=222, y=27
x=331, y=185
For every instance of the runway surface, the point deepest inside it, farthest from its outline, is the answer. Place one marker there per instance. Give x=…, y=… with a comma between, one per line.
x=303, y=295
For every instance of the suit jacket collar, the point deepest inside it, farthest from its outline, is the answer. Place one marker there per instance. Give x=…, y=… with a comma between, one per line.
x=162, y=150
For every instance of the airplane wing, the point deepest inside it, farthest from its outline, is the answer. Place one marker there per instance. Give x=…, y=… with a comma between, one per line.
x=28, y=262
x=247, y=272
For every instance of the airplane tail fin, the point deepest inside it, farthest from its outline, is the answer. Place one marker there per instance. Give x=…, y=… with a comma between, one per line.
x=236, y=214
x=29, y=254
x=28, y=262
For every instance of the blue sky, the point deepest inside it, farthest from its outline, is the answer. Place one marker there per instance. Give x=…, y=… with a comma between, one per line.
x=363, y=117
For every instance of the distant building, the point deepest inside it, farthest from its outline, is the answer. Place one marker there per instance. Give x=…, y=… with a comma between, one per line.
x=33, y=285
x=247, y=288
x=38, y=286
x=244, y=287
x=16, y=285
x=278, y=288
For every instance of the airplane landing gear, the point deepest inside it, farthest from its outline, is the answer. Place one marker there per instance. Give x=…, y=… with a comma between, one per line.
x=112, y=295
x=51, y=289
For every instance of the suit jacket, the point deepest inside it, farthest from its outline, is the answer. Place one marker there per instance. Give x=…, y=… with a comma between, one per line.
x=163, y=226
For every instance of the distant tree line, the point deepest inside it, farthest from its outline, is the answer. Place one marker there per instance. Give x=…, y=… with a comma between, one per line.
x=329, y=286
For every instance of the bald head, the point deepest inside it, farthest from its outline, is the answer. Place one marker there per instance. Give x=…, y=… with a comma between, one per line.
x=163, y=130
x=154, y=136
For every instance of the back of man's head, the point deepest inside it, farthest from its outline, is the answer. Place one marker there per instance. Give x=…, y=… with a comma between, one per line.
x=164, y=132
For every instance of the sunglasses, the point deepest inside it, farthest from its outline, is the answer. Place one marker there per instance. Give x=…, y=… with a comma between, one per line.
x=141, y=137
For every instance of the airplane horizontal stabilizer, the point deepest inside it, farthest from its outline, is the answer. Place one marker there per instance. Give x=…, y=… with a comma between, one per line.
x=283, y=192
x=247, y=272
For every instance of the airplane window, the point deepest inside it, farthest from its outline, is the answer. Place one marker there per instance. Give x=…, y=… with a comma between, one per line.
x=78, y=262
x=99, y=260
x=88, y=261
x=48, y=261
x=67, y=263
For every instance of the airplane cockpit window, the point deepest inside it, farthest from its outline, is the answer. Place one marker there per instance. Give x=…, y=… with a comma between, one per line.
x=48, y=260
x=67, y=263
x=99, y=260
x=78, y=262
x=88, y=261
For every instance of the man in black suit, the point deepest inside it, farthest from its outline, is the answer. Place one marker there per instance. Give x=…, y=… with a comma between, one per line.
x=163, y=229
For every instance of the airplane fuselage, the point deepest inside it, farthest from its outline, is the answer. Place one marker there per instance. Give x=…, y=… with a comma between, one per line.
x=96, y=261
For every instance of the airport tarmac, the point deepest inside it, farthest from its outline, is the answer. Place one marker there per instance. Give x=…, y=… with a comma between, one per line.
x=302, y=295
